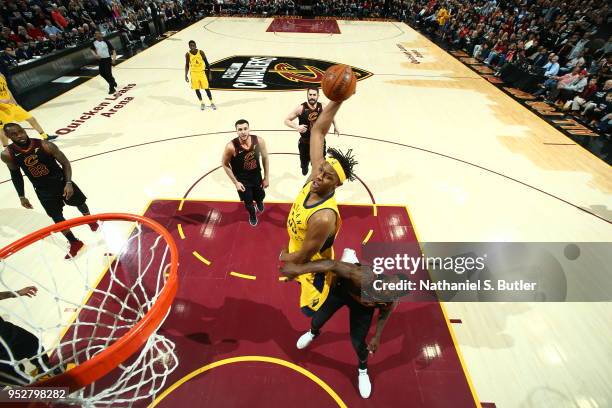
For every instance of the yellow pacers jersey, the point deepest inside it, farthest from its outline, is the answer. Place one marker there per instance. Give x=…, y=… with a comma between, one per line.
x=196, y=63
x=196, y=67
x=4, y=90
x=314, y=287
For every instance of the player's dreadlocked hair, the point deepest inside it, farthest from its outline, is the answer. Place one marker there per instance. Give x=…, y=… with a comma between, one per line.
x=347, y=161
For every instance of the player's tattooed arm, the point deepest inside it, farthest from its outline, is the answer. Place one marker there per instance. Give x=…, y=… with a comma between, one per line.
x=6, y=159
x=289, y=120
x=58, y=155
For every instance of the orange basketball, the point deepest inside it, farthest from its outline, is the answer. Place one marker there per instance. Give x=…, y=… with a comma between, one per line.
x=339, y=82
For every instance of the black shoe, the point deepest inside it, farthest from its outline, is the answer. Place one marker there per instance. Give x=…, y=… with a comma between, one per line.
x=260, y=206
x=304, y=171
x=253, y=219
x=112, y=91
x=51, y=137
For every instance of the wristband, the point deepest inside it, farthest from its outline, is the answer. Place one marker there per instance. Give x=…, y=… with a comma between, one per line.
x=69, y=182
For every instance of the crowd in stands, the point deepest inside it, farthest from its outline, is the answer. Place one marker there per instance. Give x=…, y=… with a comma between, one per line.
x=556, y=50
x=559, y=43
x=257, y=7
x=353, y=9
x=30, y=29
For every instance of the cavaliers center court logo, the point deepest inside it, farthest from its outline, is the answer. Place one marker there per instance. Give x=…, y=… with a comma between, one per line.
x=264, y=73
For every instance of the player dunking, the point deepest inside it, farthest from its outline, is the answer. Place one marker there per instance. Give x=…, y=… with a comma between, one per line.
x=10, y=111
x=197, y=64
x=354, y=289
x=314, y=219
x=52, y=181
x=307, y=114
x=241, y=164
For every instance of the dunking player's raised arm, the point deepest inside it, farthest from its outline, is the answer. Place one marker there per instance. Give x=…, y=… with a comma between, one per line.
x=336, y=130
x=317, y=135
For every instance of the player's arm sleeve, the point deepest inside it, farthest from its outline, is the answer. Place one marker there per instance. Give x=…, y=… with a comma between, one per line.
x=16, y=176
x=17, y=179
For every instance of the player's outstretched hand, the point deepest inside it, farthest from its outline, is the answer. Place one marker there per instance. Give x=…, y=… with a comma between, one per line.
x=68, y=191
x=240, y=186
x=374, y=344
x=26, y=203
x=29, y=291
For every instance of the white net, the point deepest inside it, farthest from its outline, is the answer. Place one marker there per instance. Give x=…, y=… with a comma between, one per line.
x=81, y=307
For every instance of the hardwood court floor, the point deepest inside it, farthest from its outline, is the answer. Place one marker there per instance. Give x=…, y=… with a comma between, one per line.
x=468, y=162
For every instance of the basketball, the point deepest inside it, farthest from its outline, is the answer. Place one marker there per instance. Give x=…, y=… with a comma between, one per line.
x=339, y=83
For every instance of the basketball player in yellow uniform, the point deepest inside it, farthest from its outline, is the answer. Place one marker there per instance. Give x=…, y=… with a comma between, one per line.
x=197, y=64
x=314, y=219
x=10, y=112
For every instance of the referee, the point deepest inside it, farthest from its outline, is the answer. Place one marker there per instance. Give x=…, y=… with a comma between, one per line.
x=105, y=53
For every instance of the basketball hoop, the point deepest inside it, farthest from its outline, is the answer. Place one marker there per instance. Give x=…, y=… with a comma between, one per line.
x=96, y=315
